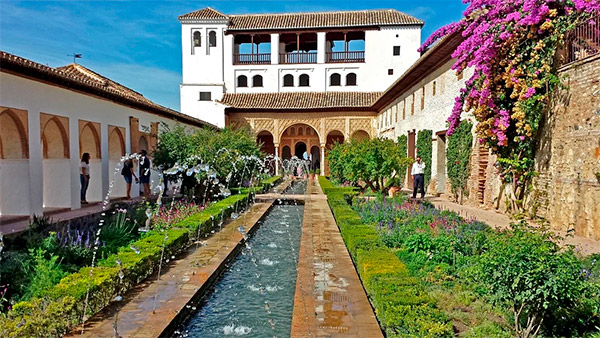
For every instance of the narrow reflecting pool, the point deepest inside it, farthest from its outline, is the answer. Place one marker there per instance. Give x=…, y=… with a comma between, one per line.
x=255, y=296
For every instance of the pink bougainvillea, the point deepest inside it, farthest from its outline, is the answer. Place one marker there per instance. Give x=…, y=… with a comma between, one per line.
x=510, y=47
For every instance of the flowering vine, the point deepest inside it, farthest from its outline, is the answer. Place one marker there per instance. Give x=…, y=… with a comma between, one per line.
x=511, y=47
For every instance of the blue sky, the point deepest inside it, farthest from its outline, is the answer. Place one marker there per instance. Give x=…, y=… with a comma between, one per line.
x=137, y=43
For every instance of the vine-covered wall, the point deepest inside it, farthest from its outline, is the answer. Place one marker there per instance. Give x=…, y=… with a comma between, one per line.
x=458, y=155
x=424, y=150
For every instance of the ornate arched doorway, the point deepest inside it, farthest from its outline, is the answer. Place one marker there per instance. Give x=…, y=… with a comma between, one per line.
x=265, y=140
x=299, y=149
x=360, y=135
x=334, y=137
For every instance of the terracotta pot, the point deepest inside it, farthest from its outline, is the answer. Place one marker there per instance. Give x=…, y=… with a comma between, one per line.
x=393, y=191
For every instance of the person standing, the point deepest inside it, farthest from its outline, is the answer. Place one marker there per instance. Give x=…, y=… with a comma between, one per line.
x=128, y=173
x=84, y=176
x=145, y=173
x=418, y=175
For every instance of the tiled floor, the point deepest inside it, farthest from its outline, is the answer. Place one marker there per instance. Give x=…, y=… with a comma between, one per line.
x=330, y=300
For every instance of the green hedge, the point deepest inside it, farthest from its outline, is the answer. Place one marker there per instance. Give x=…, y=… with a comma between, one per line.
x=62, y=307
x=262, y=188
x=401, y=302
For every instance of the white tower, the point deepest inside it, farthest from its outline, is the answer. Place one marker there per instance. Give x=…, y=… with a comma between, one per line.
x=203, y=61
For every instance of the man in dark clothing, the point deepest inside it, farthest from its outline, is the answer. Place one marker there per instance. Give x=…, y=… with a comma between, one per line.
x=145, y=173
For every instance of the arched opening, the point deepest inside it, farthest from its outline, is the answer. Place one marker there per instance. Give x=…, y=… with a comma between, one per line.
x=299, y=149
x=334, y=137
x=197, y=41
x=315, y=162
x=335, y=79
x=304, y=81
x=351, y=79
x=13, y=138
x=288, y=80
x=116, y=150
x=212, y=39
x=116, y=144
x=360, y=135
x=257, y=81
x=242, y=81
x=265, y=139
x=14, y=171
x=56, y=177
x=286, y=153
x=143, y=143
x=54, y=140
x=89, y=141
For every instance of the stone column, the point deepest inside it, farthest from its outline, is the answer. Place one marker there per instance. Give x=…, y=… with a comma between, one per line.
x=321, y=47
x=274, y=49
x=322, y=159
x=276, y=158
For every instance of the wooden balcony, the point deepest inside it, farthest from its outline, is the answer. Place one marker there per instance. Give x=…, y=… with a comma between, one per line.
x=290, y=58
x=583, y=41
x=343, y=57
x=252, y=59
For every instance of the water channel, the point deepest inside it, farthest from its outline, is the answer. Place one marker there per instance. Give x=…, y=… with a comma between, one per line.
x=254, y=297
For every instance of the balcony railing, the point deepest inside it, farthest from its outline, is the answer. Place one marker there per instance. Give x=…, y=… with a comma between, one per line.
x=310, y=57
x=252, y=59
x=584, y=40
x=335, y=57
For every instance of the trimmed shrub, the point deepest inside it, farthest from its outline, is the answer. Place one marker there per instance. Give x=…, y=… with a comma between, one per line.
x=401, y=304
x=61, y=307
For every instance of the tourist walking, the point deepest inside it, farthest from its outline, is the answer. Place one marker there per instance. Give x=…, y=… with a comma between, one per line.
x=128, y=174
x=418, y=175
x=84, y=176
x=145, y=173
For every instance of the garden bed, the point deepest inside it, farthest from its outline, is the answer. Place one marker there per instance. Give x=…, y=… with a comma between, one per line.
x=58, y=308
x=430, y=273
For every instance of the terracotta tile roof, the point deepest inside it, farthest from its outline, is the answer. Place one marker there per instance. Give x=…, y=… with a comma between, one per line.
x=204, y=13
x=300, y=100
x=378, y=17
x=77, y=77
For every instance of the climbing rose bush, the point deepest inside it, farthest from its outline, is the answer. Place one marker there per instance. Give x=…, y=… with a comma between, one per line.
x=511, y=48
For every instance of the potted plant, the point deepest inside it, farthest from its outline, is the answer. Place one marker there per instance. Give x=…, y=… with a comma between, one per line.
x=312, y=174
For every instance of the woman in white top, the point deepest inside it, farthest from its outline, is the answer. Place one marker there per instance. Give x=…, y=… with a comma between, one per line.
x=84, y=176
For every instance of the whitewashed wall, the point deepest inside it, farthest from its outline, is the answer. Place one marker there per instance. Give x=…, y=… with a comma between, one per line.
x=211, y=69
x=14, y=186
x=28, y=186
x=393, y=121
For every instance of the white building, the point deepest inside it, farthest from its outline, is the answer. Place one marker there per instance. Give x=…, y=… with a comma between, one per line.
x=49, y=117
x=356, y=51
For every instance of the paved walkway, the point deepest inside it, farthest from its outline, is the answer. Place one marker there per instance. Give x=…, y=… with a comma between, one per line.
x=16, y=224
x=148, y=310
x=583, y=245
x=329, y=300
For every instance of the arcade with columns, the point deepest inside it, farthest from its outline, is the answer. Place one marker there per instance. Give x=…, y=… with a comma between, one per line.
x=291, y=134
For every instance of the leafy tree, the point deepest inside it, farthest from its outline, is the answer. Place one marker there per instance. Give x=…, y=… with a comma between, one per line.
x=223, y=150
x=458, y=156
x=525, y=269
x=367, y=163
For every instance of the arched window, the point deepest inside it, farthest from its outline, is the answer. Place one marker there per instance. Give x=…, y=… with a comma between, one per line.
x=351, y=79
x=197, y=41
x=335, y=80
x=257, y=81
x=212, y=39
x=288, y=80
x=242, y=81
x=304, y=81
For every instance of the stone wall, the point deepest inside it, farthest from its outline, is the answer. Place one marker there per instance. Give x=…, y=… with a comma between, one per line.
x=568, y=190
